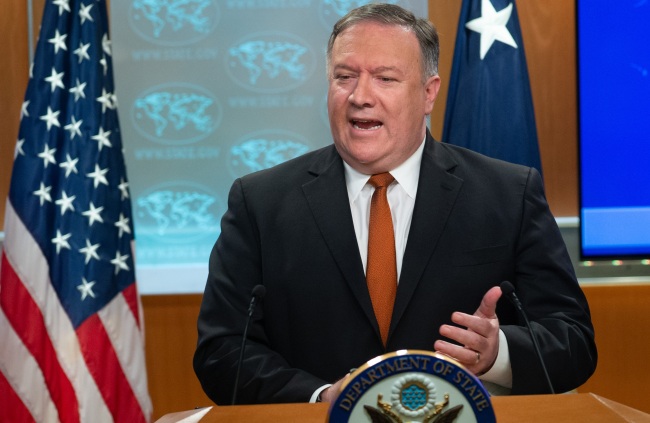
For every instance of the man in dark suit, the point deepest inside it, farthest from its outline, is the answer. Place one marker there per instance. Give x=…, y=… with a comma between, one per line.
x=463, y=223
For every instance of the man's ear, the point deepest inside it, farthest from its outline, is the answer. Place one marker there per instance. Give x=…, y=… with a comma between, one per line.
x=431, y=88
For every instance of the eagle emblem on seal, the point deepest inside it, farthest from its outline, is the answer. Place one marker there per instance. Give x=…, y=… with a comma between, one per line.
x=413, y=399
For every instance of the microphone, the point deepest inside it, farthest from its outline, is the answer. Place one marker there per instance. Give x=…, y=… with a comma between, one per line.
x=509, y=291
x=258, y=293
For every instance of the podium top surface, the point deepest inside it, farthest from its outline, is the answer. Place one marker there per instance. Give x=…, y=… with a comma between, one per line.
x=570, y=408
x=574, y=408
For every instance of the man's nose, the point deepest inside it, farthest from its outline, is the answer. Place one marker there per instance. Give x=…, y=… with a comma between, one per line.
x=362, y=94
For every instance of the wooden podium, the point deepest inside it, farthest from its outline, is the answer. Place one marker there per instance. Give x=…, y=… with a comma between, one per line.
x=569, y=408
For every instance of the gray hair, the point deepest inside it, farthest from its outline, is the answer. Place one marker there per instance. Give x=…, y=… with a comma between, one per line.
x=390, y=14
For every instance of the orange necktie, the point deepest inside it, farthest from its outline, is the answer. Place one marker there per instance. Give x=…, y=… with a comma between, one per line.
x=381, y=274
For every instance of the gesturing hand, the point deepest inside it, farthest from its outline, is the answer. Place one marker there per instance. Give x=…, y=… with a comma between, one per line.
x=479, y=342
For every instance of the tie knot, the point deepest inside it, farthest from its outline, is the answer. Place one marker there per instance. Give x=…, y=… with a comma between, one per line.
x=381, y=180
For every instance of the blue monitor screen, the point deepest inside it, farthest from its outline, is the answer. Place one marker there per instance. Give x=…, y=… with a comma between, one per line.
x=614, y=127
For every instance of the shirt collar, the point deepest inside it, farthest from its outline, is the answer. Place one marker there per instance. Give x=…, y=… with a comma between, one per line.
x=407, y=175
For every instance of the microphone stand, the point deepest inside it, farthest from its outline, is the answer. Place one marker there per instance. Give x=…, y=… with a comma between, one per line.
x=258, y=292
x=509, y=291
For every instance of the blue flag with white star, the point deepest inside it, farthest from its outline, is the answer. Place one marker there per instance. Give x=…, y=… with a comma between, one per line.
x=489, y=105
x=70, y=316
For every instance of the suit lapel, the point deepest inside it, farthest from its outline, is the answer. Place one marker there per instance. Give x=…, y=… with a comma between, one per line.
x=437, y=193
x=327, y=196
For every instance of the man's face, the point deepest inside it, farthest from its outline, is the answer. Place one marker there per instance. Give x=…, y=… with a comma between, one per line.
x=377, y=100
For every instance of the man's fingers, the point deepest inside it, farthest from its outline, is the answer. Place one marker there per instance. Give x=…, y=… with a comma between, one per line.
x=474, y=339
x=463, y=355
x=482, y=325
x=488, y=305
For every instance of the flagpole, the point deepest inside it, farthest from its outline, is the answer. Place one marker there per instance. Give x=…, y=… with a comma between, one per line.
x=30, y=32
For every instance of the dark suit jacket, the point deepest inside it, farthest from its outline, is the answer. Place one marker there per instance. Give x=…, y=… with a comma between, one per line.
x=476, y=222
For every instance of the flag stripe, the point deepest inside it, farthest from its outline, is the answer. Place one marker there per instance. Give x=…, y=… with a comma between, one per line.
x=16, y=394
x=122, y=335
x=133, y=301
x=119, y=320
x=32, y=270
x=25, y=317
x=105, y=367
x=12, y=409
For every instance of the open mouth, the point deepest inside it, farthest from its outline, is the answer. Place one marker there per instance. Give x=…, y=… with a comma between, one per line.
x=366, y=125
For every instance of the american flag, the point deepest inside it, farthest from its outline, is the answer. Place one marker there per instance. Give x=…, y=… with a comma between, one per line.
x=71, y=330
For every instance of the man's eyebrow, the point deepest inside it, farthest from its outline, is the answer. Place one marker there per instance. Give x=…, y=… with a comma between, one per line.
x=386, y=69
x=342, y=66
x=376, y=70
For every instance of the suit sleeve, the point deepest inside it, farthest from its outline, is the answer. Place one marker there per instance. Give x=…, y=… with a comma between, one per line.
x=554, y=302
x=235, y=267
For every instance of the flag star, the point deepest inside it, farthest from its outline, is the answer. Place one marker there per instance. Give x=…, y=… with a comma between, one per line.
x=23, y=109
x=63, y=5
x=78, y=90
x=82, y=52
x=65, y=202
x=105, y=100
x=98, y=176
x=31, y=70
x=61, y=241
x=84, y=13
x=104, y=64
x=492, y=26
x=51, y=118
x=19, y=151
x=55, y=80
x=106, y=44
x=43, y=193
x=90, y=251
x=86, y=288
x=124, y=188
x=47, y=155
x=123, y=225
x=58, y=41
x=102, y=138
x=120, y=262
x=93, y=214
x=73, y=127
x=69, y=165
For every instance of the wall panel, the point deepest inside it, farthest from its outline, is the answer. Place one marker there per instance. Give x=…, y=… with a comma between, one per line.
x=621, y=319
x=13, y=81
x=171, y=335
